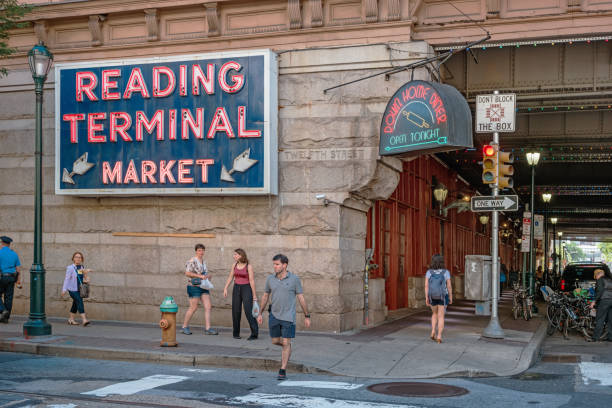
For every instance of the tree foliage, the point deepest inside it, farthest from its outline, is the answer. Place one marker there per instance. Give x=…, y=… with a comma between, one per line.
x=606, y=250
x=10, y=15
x=574, y=252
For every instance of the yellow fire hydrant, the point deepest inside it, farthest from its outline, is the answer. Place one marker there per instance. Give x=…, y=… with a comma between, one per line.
x=168, y=322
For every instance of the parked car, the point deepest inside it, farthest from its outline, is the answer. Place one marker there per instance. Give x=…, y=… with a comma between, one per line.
x=581, y=275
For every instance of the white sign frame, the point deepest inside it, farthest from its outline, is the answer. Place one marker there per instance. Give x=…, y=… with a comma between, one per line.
x=495, y=113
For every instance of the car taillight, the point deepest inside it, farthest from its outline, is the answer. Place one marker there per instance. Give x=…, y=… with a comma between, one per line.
x=562, y=284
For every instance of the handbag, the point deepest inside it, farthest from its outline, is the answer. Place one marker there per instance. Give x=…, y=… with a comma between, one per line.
x=83, y=287
x=84, y=290
x=196, y=281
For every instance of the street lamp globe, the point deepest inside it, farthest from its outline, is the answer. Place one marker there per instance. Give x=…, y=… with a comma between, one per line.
x=440, y=193
x=484, y=219
x=533, y=158
x=40, y=59
x=546, y=197
x=560, y=233
x=553, y=220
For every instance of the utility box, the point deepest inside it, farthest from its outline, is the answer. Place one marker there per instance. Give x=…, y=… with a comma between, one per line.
x=478, y=274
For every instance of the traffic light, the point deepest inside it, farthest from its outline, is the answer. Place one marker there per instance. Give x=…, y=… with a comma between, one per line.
x=489, y=164
x=505, y=170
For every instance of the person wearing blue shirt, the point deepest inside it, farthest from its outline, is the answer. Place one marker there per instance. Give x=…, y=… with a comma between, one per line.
x=9, y=270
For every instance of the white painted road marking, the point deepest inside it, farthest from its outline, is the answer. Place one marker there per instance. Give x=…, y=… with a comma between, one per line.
x=601, y=372
x=297, y=401
x=197, y=370
x=321, y=384
x=132, y=387
x=61, y=406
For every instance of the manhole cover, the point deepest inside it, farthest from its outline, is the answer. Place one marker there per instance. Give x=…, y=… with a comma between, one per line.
x=417, y=389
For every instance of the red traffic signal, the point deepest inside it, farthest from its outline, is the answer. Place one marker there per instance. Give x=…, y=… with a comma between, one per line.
x=489, y=164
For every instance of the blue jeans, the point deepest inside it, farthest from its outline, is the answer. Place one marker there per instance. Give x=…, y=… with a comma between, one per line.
x=77, y=302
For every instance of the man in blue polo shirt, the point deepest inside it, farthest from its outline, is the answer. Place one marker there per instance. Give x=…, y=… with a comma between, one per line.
x=282, y=288
x=9, y=269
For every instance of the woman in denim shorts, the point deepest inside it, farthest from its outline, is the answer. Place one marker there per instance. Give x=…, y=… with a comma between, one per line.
x=196, y=271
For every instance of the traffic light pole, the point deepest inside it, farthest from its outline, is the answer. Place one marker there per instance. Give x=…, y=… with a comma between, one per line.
x=494, y=329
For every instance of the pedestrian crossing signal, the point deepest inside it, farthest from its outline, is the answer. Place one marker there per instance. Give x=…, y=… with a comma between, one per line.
x=489, y=164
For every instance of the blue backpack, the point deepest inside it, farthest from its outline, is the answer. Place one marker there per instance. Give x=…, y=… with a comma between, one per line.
x=437, y=285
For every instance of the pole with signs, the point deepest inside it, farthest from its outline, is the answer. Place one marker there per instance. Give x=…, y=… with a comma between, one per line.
x=494, y=329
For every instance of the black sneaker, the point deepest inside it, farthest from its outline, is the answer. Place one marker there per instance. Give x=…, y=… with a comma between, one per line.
x=237, y=337
x=282, y=375
x=252, y=337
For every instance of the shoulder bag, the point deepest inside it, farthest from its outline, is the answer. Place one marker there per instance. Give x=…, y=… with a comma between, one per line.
x=84, y=287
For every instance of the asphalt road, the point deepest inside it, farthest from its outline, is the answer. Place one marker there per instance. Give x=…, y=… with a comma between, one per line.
x=571, y=373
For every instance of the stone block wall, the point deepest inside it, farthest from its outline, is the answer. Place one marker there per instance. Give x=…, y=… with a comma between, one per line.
x=328, y=144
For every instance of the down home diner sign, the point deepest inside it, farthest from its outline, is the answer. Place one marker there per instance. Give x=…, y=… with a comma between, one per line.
x=425, y=117
x=194, y=124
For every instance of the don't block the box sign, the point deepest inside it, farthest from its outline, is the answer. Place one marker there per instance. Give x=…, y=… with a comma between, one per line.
x=194, y=124
x=425, y=117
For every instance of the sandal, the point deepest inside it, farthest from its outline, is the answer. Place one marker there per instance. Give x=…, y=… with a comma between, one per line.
x=433, y=337
x=73, y=323
x=86, y=323
x=439, y=341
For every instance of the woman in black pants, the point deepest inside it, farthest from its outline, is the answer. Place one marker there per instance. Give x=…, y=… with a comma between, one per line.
x=243, y=294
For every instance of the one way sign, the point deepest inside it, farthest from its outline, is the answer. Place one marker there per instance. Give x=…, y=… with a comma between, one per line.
x=497, y=203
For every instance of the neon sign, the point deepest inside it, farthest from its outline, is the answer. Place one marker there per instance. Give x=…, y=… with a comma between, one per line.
x=425, y=116
x=195, y=124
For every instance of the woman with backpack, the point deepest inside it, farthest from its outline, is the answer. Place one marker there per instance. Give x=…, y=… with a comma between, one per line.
x=438, y=294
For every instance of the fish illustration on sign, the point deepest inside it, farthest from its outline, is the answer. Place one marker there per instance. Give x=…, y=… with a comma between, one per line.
x=80, y=167
x=241, y=163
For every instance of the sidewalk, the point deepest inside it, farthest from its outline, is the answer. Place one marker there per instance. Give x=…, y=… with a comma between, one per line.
x=398, y=349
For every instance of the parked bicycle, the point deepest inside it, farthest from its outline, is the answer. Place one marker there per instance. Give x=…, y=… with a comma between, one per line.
x=522, y=302
x=566, y=313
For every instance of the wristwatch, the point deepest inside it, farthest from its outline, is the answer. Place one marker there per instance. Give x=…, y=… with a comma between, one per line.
x=307, y=316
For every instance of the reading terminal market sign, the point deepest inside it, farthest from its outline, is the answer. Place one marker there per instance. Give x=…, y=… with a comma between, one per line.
x=194, y=124
x=425, y=116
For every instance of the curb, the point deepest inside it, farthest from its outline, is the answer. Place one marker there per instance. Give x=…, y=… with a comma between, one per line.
x=194, y=360
x=531, y=353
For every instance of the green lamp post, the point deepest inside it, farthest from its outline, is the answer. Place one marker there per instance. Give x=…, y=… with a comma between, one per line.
x=40, y=59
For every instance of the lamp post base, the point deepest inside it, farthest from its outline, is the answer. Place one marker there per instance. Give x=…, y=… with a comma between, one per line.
x=493, y=330
x=37, y=324
x=36, y=327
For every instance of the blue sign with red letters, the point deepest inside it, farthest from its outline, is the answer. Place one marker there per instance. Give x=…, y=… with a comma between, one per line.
x=196, y=124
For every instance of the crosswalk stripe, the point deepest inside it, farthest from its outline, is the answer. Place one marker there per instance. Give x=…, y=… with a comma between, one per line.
x=132, y=387
x=197, y=370
x=299, y=401
x=321, y=384
x=601, y=372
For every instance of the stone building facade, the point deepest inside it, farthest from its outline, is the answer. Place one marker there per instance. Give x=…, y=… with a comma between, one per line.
x=327, y=144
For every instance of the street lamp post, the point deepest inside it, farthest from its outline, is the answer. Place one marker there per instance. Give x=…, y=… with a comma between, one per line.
x=40, y=60
x=532, y=159
x=553, y=221
x=440, y=192
x=546, y=198
x=561, y=249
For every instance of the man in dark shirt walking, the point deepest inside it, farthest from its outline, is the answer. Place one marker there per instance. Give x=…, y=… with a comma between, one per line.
x=9, y=270
x=603, y=304
x=282, y=288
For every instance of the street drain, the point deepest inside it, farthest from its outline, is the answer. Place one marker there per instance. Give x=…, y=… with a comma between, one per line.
x=417, y=389
x=560, y=358
x=537, y=376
